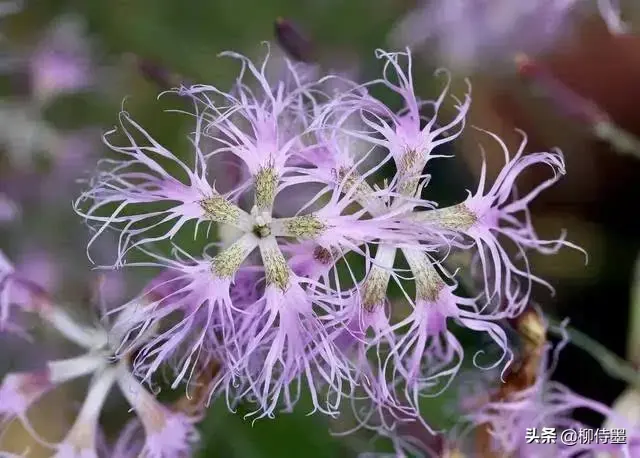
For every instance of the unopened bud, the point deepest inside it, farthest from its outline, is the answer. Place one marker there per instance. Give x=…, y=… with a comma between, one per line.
x=156, y=73
x=293, y=42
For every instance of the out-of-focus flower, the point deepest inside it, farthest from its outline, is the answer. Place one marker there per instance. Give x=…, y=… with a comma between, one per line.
x=516, y=417
x=9, y=210
x=15, y=294
x=25, y=135
x=469, y=33
x=69, y=157
x=293, y=41
x=61, y=62
x=168, y=433
x=39, y=264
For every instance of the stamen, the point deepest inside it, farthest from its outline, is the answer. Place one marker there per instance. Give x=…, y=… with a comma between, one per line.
x=225, y=264
x=455, y=218
x=300, y=227
x=277, y=271
x=427, y=279
x=266, y=184
x=375, y=286
x=220, y=210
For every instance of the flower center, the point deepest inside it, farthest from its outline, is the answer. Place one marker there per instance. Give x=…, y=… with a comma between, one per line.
x=262, y=230
x=261, y=223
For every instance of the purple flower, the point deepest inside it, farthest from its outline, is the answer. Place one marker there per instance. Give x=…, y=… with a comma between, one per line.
x=410, y=135
x=17, y=293
x=60, y=63
x=422, y=355
x=272, y=306
x=38, y=264
x=545, y=404
x=168, y=433
x=427, y=354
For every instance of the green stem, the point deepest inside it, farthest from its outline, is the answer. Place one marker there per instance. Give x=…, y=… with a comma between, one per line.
x=611, y=363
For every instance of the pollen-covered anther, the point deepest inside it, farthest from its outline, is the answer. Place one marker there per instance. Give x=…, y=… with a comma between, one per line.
x=375, y=285
x=409, y=186
x=276, y=269
x=409, y=168
x=428, y=281
x=219, y=209
x=455, y=218
x=266, y=185
x=303, y=227
x=408, y=162
x=227, y=263
x=375, y=289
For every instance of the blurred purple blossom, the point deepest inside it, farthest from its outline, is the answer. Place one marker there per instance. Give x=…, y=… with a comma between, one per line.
x=545, y=404
x=168, y=433
x=61, y=61
x=9, y=210
x=40, y=265
x=472, y=33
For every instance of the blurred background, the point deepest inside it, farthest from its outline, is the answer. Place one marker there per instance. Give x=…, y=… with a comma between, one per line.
x=67, y=66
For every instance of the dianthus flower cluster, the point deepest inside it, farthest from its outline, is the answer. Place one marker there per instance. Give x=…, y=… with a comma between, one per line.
x=299, y=300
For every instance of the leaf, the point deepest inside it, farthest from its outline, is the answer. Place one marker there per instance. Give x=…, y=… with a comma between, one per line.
x=288, y=435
